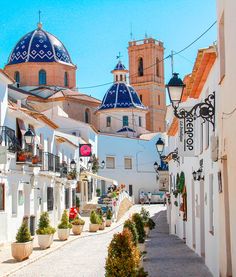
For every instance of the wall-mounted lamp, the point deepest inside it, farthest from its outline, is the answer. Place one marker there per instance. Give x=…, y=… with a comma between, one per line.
x=160, y=145
x=205, y=110
x=29, y=137
x=198, y=175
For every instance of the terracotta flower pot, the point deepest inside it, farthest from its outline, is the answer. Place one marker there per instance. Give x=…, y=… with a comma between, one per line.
x=93, y=227
x=21, y=250
x=77, y=229
x=141, y=247
x=35, y=160
x=45, y=241
x=21, y=157
x=63, y=234
x=108, y=223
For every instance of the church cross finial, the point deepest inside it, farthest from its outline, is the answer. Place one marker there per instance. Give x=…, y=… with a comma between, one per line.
x=39, y=22
x=39, y=16
x=119, y=56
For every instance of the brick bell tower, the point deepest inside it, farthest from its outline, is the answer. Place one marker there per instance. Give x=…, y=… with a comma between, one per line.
x=146, y=69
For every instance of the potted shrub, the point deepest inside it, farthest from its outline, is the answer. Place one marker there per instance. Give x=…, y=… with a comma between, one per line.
x=137, y=219
x=123, y=256
x=21, y=156
x=72, y=175
x=109, y=217
x=94, y=222
x=45, y=232
x=23, y=247
x=102, y=221
x=77, y=225
x=64, y=227
x=130, y=225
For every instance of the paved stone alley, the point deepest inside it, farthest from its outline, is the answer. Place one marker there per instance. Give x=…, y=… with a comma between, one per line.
x=83, y=257
x=168, y=256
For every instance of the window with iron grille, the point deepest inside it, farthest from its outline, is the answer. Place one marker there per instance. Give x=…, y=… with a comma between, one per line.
x=50, y=198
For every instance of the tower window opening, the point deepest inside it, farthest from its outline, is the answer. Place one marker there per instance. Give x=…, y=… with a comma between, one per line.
x=140, y=66
x=87, y=116
x=42, y=77
x=17, y=76
x=66, y=83
x=140, y=121
x=121, y=77
x=159, y=100
x=108, y=121
x=116, y=78
x=157, y=67
x=125, y=120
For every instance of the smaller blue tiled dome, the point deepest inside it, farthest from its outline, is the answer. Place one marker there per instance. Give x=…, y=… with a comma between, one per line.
x=121, y=95
x=120, y=66
x=39, y=46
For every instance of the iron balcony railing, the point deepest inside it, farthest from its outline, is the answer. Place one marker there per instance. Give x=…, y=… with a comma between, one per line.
x=51, y=162
x=9, y=139
x=63, y=170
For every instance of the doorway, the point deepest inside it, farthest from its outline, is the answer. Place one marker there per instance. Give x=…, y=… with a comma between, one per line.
x=202, y=218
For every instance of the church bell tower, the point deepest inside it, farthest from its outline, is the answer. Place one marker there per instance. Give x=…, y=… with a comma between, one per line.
x=146, y=69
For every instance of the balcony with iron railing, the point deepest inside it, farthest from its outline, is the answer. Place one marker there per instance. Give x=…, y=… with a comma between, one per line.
x=9, y=139
x=51, y=162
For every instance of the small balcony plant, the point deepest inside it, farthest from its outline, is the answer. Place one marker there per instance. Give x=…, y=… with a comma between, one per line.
x=21, y=155
x=77, y=225
x=45, y=231
x=64, y=227
x=23, y=247
x=72, y=175
x=94, y=222
x=35, y=159
x=108, y=217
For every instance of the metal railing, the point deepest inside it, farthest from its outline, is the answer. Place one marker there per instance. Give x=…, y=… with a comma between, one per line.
x=9, y=139
x=51, y=162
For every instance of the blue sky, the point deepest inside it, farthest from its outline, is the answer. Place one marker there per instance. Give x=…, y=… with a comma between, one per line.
x=95, y=31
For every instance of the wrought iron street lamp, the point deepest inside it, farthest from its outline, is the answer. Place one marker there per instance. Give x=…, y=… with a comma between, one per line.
x=205, y=109
x=155, y=165
x=160, y=146
x=29, y=137
x=102, y=164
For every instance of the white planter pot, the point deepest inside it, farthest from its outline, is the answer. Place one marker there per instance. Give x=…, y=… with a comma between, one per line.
x=102, y=226
x=45, y=241
x=77, y=229
x=141, y=247
x=93, y=227
x=21, y=250
x=63, y=234
x=108, y=222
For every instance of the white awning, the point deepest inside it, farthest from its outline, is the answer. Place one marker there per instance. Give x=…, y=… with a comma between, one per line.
x=95, y=176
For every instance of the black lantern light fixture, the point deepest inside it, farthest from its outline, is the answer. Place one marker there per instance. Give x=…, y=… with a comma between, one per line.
x=198, y=175
x=194, y=175
x=160, y=145
x=73, y=164
x=29, y=137
x=156, y=166
x=205, y=109
x=102, y=164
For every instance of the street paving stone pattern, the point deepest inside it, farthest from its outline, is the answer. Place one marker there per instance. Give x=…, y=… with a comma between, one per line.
x=167, y=256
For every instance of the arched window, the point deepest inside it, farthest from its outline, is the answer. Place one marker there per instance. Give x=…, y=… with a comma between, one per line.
x=87, y=116
x=140, y=66
x=42, y=77
x=116, y=78
x=66, y=83
x=125, y=121
x=121, y=77
x=17, y=76
x=157, y=67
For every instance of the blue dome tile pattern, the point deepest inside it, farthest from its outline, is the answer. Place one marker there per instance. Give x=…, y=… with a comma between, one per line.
x=121, y=95
x=125, y=129
x=39, y=46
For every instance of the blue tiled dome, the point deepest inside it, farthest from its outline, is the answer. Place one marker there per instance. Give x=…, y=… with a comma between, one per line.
x=39, y=46
x=120, y=66
x=121, y=95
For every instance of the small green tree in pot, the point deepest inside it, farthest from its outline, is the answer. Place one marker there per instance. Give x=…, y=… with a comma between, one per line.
x=64, y=227
x=149, y=224
x=94, y=222
x=45, y=231
x=130, y=225
x=108, y=217
x=23, y=247
x=137, y=219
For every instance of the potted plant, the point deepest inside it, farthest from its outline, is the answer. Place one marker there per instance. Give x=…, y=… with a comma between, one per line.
x=98, y=192
x=64, y=227
x=123, y=256
x=109, y=217
x=77, y=225
x=102, y=223
x=137, y=219
x=23, y=247
x=35, y=159
x=94, y=222
x=72, y=175
x=21, y=156
x=45, y=232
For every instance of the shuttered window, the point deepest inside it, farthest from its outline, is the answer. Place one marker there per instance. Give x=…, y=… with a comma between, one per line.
x=128, y=163
x=110, y=162
x=67, y=204
x=50, y=199
x=2, y=197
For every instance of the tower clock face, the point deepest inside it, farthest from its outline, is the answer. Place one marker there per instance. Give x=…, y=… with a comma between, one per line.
x=85, y=150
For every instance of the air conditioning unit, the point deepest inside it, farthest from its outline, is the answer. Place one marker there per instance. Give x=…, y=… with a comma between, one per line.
x=214, y=148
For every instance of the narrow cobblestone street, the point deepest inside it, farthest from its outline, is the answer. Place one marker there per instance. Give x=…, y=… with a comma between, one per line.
x=168, y=256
